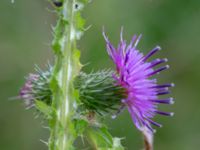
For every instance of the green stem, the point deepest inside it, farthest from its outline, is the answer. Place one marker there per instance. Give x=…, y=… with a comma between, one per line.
x=62, y=128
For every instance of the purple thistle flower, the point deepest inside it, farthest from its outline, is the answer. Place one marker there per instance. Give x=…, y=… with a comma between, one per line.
x=134, y=74
x=26, y=92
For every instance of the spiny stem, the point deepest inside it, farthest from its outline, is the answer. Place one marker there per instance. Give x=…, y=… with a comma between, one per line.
x=62, y=127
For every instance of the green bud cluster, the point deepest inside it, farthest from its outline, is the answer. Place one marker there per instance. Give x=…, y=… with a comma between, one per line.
x=98, y=91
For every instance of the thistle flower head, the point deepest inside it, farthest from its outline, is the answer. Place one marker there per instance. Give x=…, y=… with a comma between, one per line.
x=134, y=73
x=37, y=88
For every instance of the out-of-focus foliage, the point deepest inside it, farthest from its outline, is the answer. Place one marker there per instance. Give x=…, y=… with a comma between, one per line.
x=25, y=37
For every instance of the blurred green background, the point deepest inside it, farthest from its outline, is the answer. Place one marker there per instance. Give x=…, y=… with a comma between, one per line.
x=25, y=37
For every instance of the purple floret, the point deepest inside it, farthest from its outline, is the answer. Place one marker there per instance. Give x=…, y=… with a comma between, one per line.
x=26, y=92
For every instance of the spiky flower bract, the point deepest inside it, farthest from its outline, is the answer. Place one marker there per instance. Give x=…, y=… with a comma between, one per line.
x=37, y=87
x=99, y=92
x=134, y=73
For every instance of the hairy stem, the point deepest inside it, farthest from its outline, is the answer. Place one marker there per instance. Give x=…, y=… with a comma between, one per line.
x=62, y=128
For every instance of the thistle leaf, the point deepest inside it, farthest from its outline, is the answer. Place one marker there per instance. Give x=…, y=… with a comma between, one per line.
x=103, y=140
x=80, y=126
x=101, y=137
x=44, y=108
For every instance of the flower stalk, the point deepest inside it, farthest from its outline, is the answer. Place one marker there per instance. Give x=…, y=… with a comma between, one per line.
x=148, y=139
